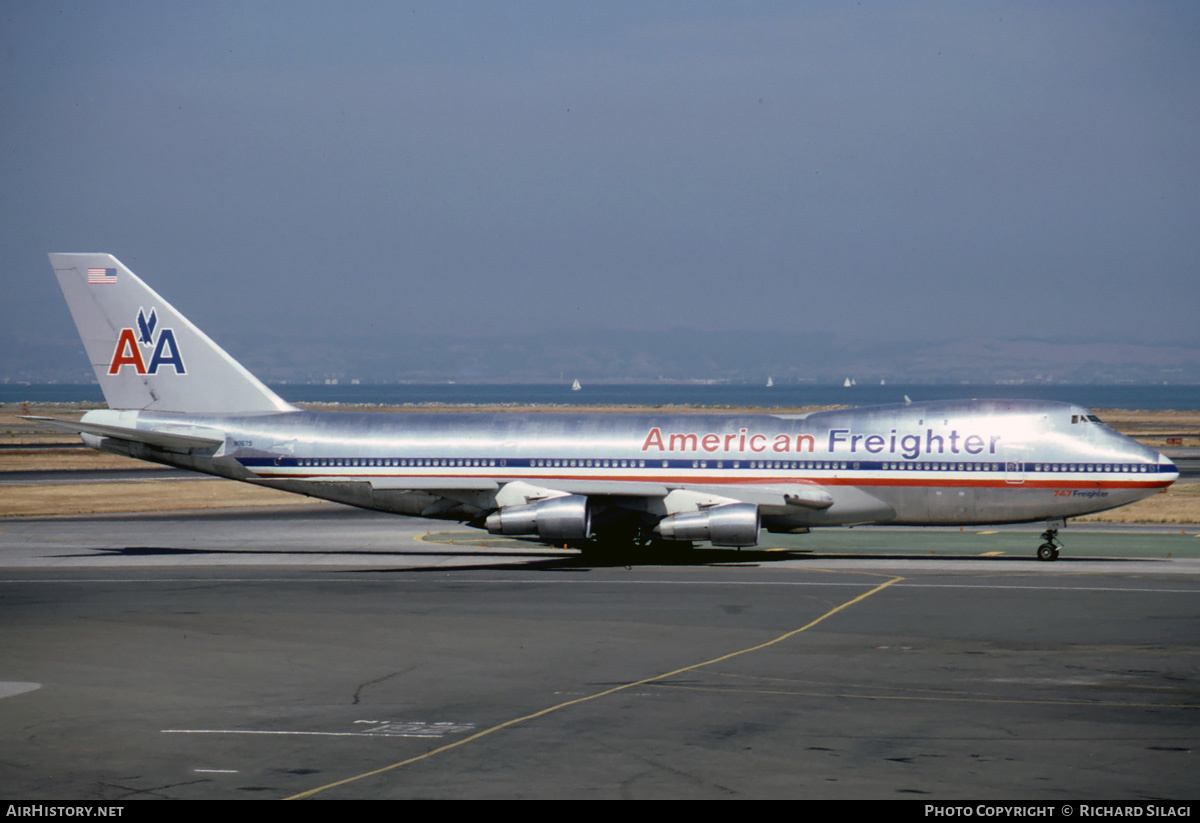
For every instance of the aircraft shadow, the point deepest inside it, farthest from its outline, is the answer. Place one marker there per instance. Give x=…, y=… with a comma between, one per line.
x=558, y=560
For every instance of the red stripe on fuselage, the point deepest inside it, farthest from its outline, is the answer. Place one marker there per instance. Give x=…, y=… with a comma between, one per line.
x=905, y=482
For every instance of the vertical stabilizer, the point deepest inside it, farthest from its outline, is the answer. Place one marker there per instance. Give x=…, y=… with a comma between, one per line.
x=146, y=354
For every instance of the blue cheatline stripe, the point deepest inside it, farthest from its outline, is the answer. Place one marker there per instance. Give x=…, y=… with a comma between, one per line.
x=1105, y=469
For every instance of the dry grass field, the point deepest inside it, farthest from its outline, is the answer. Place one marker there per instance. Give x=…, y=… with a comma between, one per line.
x=1179, y=504
x=138, y=496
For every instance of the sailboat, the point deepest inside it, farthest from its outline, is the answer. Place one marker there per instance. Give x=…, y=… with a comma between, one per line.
x=575, y=386
x=847, y=384
x=770, y=381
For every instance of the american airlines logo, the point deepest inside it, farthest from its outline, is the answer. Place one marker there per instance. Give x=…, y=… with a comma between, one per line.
x=134, y=344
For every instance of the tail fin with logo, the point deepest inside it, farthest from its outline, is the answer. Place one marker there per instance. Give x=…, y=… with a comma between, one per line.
x=146, y=354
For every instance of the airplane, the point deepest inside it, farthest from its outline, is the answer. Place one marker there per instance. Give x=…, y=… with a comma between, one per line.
x=592, y=480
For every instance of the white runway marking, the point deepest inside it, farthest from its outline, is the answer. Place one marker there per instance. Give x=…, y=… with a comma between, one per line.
x=418, y=728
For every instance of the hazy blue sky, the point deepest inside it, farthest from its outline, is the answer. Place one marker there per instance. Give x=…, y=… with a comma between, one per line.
x=896, y=171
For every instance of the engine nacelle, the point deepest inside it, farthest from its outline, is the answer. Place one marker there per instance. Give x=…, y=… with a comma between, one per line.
x=735, y=524
x=559, y=518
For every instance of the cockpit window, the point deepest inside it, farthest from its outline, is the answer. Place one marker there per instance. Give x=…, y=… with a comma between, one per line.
x=1093, y=418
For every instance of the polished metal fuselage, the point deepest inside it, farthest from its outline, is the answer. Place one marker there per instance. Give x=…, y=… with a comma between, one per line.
x=967, y=462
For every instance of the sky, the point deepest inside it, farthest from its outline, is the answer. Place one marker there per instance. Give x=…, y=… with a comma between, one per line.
x=893, y=173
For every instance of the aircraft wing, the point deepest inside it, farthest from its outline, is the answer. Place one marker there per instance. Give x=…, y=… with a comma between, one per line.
x=802, y=495
x=609, y=488
x=788, y=495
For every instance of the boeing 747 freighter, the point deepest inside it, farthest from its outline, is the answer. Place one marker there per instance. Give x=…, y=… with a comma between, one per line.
x=175, y=397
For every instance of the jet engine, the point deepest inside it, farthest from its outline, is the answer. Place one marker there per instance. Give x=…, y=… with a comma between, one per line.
x=558, y=518
x=735, y=524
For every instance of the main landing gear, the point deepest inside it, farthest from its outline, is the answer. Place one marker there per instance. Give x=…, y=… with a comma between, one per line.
x=1049, y=549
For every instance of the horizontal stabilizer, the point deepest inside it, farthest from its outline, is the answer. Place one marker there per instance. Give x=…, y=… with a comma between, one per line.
x=178, y=438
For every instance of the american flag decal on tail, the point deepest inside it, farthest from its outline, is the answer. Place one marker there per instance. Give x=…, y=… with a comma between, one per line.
x=99, y=277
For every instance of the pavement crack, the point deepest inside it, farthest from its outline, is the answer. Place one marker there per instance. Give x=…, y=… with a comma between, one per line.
x=358, y=692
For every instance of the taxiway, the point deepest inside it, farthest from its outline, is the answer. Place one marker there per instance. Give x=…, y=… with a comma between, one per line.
x=326, y=652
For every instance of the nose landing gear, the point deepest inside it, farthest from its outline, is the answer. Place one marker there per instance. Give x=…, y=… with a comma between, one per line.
x=1048, y=551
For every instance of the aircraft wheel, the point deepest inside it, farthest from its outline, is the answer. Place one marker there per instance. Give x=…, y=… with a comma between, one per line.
x=1047, y=552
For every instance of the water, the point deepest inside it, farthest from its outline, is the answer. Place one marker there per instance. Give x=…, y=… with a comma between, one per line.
x=659, y=394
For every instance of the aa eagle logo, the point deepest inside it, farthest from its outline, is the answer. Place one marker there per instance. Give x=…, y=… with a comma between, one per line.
x=163, y=349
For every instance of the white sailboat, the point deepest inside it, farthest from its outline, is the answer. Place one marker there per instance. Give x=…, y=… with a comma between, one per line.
x=770, y=381
x=847, y=384
x=575, y=386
